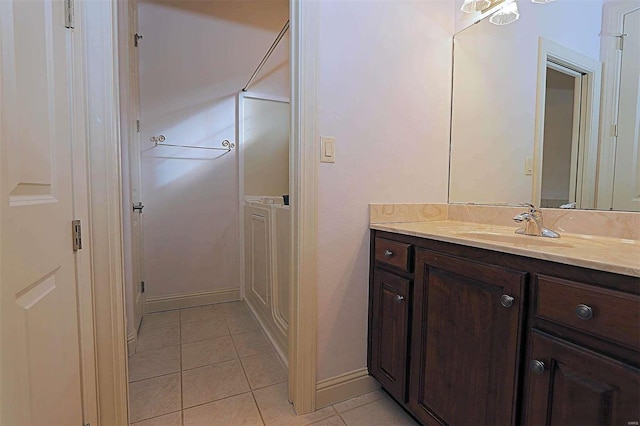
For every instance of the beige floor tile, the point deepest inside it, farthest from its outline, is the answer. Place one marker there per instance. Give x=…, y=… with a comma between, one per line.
x=236, y=411
x=155, y=338
x=161, y=319
x=201, y=313
x=383, y=412
x=352, y=403
x=205, y=352
x=154, y=397
x=241, y=322
x=264, y=370
x=154, y=362
x=251, y=343
x=276, y=410
x=331, y=421
x=203, y=330
x=213, y=382
x=172, y=419
x=233, y=308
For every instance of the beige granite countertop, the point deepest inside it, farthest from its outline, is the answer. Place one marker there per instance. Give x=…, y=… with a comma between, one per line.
x=618, y=255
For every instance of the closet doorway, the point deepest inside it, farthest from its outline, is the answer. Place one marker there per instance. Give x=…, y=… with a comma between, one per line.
x=197, y=345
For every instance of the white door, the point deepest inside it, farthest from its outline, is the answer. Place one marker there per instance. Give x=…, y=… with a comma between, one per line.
x=134, y=165
x=626, y=184
x=40, y=363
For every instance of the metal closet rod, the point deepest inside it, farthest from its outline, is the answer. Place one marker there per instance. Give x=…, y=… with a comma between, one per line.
x=266, y=57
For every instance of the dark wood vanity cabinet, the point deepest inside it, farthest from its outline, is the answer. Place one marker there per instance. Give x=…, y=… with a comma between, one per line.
x=466, y=336
x=569, y=385
x=390, y=331
x=466, y=332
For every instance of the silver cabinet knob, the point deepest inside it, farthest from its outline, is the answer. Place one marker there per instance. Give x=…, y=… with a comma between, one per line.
x=537, y=366
x=399, y=298
x=388, y=253
x=584, y=312
x=506, y=300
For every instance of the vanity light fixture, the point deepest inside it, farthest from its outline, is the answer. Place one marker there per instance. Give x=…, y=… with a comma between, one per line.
x=470, y=6
x=506, y=15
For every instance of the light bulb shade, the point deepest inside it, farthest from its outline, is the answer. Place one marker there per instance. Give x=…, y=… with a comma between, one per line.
x=470, y=6
x=506, y=15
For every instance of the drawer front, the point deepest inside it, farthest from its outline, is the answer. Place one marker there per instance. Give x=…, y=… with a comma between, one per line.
x=605, y=313
x=393, y=253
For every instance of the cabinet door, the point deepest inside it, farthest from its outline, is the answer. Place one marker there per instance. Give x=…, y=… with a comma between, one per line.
x=389, y=337
x=571, y=386
x=466, y=333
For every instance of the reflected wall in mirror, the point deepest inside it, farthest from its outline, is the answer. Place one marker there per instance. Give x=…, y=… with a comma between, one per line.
x=537, y=103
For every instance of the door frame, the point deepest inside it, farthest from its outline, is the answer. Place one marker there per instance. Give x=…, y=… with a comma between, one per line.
x=100, y=22
x=612, y=24
x=550, y=51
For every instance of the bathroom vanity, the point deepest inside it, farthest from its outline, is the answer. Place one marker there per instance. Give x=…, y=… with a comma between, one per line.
x=469, y=329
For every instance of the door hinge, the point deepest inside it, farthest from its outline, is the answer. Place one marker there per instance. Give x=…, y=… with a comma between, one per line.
x=138, y=126
x=141, y=286
x=620, y=38
x=69, y=18
x=136, y=38
x=614, y=130
x=76, y=230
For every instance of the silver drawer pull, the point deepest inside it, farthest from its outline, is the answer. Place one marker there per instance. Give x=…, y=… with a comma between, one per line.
x=399, y=298
x=388, y=253
x=506, y=300
x=537, y=366
x=584, y=312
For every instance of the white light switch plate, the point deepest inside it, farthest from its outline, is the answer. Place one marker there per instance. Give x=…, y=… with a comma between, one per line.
x=327, y=149
x=528, y=166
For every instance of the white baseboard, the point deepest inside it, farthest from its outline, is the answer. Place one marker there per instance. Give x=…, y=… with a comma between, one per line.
x=343, y=387
x=132, y=343
x=190, y=300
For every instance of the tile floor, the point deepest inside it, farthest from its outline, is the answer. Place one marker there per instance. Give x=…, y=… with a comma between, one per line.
x=212, y=365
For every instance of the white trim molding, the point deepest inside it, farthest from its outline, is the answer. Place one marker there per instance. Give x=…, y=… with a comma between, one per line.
x=303, y=180
x=345, y=386
x=98, y=20
x=190, y=300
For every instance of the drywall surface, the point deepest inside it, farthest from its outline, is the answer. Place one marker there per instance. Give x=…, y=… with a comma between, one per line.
x=384, y=93
x=195, y=56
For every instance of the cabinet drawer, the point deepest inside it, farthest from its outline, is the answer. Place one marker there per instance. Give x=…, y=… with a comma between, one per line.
x=393, y=253
x=609, y=314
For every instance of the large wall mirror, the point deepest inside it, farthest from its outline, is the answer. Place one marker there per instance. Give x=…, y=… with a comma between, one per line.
x=546, y=109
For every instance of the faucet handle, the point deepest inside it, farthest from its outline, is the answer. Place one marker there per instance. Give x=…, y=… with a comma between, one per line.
x=532, y=207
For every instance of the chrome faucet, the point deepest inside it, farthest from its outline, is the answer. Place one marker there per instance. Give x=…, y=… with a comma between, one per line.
x=533, y=223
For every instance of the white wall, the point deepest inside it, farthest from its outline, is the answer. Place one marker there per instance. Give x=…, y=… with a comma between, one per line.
x=194, y=58
x=384, y=73
x=494, y=96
